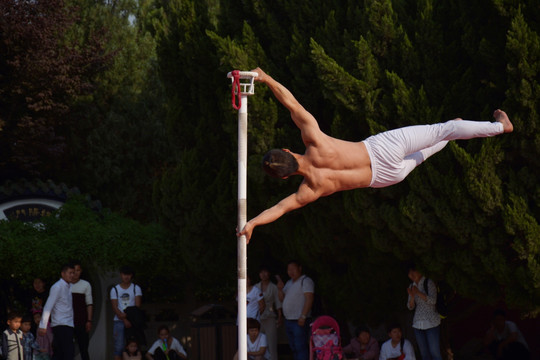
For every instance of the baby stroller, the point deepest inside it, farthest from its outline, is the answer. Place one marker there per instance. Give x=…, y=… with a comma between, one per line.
x=325, y=342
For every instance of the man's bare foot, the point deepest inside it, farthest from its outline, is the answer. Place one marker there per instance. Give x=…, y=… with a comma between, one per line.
x=501, y=117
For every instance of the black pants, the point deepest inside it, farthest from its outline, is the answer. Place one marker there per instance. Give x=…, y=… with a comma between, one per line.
x=513, y=351
x=63, y=348
x=160, y=355
x=82, y=340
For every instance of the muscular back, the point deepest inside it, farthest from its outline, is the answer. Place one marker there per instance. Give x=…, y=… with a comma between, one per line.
x=331, y=165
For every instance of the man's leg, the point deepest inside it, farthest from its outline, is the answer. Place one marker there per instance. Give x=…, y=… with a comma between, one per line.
x=82, y=340
x=396, y=153
x=415, y=138
x=118, y=337
x=289, y=330
x=301, y=340
x=63, y=348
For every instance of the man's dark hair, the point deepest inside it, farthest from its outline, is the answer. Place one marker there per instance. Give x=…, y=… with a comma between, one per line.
x=279, y=163
x=127, y=270
x=295, y=262
x=499, y=312
x=12, y=315
x=76, y=262
x=253, y=323
x=67, y=266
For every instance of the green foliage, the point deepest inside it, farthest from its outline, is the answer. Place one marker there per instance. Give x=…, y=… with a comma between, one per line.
x=156, y=118
x=103, y=241
x=468, y=216
x=127, y=105
x=43, y=73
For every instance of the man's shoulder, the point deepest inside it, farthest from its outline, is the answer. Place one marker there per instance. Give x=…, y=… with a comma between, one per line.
x=80, y=286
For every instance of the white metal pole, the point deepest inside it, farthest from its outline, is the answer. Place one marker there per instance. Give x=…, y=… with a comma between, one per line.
x=242, y=215
x=244, y=88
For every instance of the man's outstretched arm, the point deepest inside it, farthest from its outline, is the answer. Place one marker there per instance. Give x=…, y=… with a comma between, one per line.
x=291, y=202
x=302, y=118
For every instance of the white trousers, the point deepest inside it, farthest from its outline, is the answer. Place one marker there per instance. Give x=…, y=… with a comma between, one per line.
x=269, y=328
x=395, y=153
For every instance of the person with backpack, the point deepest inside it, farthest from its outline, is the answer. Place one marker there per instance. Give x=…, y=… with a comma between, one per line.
x=397, y=347
x=125, y=297
x=426, y=321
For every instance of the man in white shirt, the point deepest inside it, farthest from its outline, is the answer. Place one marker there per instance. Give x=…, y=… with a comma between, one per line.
x=504, y=339
x=297, y=299
x=396, y=348
x=82, y=310
x=123, y=296
x=59, y=308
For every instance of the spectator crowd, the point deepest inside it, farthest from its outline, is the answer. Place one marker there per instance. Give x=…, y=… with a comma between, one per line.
x=55, y=321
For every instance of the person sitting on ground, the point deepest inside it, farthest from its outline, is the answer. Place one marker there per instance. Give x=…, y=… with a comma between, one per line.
x=504, y=340
x=257, y=347
x=397, y=347
x=166, y=347
x=363, y=346
x=132, y=352
x=329, y=165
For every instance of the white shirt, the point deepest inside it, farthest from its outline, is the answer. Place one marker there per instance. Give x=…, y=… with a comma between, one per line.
x=125, y=297
x=388, y=351
x=252, y=307
x=59, y=306
x=175, y=345
x=293, y=302
x=259, y=342
x=83, y=287
x=509, y=328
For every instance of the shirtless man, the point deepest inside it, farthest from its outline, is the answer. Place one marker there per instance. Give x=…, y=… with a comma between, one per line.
x=330, y=165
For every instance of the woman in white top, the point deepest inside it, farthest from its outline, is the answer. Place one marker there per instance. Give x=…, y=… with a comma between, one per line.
x=426, y=320
x=257, y=347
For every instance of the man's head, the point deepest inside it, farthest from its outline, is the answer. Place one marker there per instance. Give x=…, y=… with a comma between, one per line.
x=78, y=270
x=126, y=274
x=14, y=321
x=499, y=319
x=294, y=269
x=68, y=272
x=279, y=163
